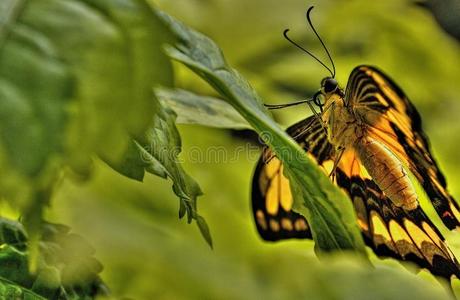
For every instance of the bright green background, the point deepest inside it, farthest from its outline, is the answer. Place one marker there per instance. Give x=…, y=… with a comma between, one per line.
x=149, y=254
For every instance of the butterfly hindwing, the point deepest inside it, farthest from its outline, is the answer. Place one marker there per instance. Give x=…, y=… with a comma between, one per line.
x=392, y=231
x=395, y=122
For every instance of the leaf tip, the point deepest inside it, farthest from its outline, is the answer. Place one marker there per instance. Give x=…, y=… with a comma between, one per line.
x=204, y=229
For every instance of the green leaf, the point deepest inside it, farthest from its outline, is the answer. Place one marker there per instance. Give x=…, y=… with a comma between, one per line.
x=35, y=88
x=76, y=81
x=68, y=67
x=9, y=290
x=112, y=49
x=195, y=109
x=65, y=266
x=132, y=165
x=162, y=145
x=327, y=209
x=353, y=279
x=204, y=229
x=158, y=153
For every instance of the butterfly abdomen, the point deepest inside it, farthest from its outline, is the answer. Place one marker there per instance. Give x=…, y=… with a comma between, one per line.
x=387, y=172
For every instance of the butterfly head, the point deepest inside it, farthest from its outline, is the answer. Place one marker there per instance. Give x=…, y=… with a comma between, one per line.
x=329, y=85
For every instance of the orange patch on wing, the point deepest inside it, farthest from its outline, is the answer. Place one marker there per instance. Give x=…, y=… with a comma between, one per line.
x=349, y=163
x=260, y=216
x=300, y=225
x=286, y=224
x=274, y=225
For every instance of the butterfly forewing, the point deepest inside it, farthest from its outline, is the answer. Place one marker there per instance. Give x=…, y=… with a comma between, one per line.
x=395, y=122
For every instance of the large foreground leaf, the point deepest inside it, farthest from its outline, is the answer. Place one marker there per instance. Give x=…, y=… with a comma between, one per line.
x=327, y=209
x=72, y=65
x=76, y=81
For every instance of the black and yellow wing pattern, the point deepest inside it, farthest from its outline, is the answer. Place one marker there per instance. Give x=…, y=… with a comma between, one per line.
x=271, y=195
x=394, y=121
x=389, y=230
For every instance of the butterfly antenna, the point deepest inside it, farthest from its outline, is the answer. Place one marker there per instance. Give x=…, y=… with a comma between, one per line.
x=306, y=51
x=319, y=38
x=278, y=106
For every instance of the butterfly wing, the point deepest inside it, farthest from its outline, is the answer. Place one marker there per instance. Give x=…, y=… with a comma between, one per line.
x=395, y=122
x=271, y=193
x=388, y=230
x=272, y=203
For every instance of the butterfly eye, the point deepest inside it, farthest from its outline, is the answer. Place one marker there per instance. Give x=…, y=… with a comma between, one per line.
x=330, y=85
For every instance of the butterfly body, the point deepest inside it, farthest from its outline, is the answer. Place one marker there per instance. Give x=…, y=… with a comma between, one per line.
x=387, y=172
x=343, y=128
x=373, y=135
x=347, y=128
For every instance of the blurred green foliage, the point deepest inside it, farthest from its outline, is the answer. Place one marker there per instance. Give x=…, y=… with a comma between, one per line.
x=66, y=269
x=146, y=252
x=59, y=62
x=149, y=255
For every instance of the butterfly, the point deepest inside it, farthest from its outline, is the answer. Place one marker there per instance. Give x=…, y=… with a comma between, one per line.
x=367, y=138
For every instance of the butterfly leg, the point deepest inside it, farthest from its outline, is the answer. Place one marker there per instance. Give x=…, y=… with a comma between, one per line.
x=328, y=106
x=317, y=116
x=340, y=151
